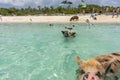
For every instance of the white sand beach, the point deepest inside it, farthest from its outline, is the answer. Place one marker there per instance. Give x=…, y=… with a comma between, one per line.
x=62, y=19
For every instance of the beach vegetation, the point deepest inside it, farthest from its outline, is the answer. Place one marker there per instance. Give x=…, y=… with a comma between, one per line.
x=12, y=11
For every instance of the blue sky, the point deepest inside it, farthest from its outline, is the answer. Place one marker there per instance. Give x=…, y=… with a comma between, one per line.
x=42, y=3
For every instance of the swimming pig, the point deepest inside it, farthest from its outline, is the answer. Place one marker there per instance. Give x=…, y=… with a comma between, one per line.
x=99, y=67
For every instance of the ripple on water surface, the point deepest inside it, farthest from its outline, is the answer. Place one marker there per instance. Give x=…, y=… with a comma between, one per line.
x=40, y=52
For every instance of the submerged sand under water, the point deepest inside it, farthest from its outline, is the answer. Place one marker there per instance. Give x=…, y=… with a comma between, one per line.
x=38, y=51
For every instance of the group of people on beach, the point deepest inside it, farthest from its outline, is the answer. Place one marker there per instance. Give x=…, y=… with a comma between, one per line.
x=116, y=12
x=113, y=12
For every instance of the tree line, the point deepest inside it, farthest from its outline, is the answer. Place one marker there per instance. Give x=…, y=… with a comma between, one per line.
x=52, y=11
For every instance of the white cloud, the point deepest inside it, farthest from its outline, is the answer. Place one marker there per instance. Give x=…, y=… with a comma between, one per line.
x=42, y=3
x=18, y=3
x=13, y=2
x=5, y=1
x=105, y=2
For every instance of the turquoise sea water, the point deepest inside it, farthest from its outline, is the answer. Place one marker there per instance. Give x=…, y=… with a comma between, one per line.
x=36, y=51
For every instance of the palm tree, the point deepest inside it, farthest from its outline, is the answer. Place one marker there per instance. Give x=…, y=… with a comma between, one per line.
x=83, y=3
x=64, y=2
x=39, y=7
x=68, y=3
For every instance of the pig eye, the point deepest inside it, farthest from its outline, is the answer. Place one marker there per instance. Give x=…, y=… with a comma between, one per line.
x=78, y=71
x=98, y=74
x=111, y=71
x=82, y=71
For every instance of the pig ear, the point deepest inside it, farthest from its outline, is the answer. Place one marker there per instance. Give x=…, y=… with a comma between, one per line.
x=79, y=61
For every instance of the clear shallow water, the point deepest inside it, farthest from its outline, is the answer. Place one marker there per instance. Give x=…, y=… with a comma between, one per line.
x=40, y=52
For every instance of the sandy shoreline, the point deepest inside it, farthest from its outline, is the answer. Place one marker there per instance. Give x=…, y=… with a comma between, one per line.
x=59, y=19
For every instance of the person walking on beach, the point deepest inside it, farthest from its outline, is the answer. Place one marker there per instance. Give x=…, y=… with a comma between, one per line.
x=117, y=11
x=83, y=12
x=93, y=14
x=93, y=11
x=107, y=11
x=100, y=12
x=1, y=17
x=113, y=13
